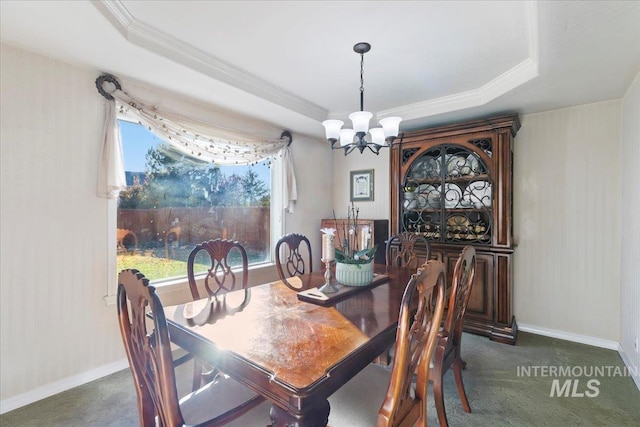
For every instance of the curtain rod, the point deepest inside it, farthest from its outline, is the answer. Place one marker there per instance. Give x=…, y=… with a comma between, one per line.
x=111, y=79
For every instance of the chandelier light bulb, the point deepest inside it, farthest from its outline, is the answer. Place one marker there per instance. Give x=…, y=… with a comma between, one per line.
x=346, y=136
x=332, y=128
x=391, y=126
x=377, y=136
x=360, y=120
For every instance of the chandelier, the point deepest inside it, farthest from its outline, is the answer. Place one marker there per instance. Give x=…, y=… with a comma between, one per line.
x=380, y=136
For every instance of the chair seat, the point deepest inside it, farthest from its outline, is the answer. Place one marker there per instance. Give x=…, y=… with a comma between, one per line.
x=356, y=404
x=215, y=397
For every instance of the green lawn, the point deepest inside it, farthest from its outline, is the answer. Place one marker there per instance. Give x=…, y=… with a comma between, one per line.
x=155, y=268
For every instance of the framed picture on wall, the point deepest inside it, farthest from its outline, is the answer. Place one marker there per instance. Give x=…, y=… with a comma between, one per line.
x=362, y=186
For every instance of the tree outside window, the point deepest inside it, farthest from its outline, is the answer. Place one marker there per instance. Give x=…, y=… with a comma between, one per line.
x=178, y=202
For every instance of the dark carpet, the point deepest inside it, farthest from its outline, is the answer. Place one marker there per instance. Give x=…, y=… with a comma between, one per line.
x=506, y=386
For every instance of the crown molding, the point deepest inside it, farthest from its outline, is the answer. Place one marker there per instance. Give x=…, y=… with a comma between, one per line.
x=520, y=74
x=516, y=76
x=159, y=42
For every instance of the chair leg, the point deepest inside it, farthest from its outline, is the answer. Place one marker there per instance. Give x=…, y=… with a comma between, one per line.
x=197, y=374
x=385, y=358
x=438, y=398
x=457, y=373
x=463, y=364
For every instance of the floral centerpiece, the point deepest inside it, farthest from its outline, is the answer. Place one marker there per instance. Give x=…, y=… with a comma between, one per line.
x=354, y=266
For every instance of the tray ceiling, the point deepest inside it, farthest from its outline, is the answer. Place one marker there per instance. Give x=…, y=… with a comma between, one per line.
x=291, y=62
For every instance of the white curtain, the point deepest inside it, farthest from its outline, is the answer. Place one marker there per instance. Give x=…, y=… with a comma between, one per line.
x=290, y=187
x=202, y=141
x=111, y=177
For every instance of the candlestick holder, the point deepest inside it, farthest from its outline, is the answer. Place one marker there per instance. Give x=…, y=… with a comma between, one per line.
x=328, y=287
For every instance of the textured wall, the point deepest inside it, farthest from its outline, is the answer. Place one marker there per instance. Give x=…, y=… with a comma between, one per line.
x=567, y=220
x=54, y=321
x=342, y=166
x=630, y=226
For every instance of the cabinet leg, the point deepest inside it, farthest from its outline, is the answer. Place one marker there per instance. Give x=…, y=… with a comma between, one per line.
x=505, y=335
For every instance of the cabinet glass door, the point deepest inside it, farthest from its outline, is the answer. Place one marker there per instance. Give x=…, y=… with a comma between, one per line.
x=447, y=196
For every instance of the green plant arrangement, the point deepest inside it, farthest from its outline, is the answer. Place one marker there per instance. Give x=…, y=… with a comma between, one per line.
x=348, y=250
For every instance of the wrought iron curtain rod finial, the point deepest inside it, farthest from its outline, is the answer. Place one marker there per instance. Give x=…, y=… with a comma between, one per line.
x=287, y=134
x=108, y=78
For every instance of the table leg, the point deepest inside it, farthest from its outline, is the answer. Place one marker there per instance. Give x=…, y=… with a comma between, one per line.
x=316, y=417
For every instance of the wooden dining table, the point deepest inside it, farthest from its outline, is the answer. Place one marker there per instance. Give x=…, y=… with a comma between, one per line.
x=292, y=352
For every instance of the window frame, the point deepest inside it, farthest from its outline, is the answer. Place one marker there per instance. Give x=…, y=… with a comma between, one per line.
x=276, y=230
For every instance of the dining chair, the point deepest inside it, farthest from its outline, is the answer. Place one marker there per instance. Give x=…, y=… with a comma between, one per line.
x=401, y=250
x=447, y=352
x=421, y=311
x=149, y=355
x=219, y=279
x=295, y=263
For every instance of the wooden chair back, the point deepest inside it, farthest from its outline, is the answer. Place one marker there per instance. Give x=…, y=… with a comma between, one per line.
x=401, y=250
x=415, y=341
x=294, y=263
x=463, y=274
x=447, y=353
x=149, y=352
x=220, y=278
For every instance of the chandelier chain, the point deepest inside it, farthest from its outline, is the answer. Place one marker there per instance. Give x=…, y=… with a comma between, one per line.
x=362, y=82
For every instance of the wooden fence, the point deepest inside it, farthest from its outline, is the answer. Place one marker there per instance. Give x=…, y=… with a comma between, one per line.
x=190, y=226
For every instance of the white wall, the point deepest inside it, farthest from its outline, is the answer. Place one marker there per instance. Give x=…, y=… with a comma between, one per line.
x=54, y=323
x=55, y=329
x=342, y=166
x=630, y=226
x=567, y=221
x=314, y=174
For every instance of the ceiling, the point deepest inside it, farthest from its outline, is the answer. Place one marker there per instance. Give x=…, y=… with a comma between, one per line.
x=292, y=63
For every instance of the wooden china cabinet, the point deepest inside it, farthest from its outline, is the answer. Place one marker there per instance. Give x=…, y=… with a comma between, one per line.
x=453, y=185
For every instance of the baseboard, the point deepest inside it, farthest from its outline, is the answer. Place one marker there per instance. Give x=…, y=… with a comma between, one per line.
x=65, y=384
x=584, y=339
x=568, y=336
x=633, y=370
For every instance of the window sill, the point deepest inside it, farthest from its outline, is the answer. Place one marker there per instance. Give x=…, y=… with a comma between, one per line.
x=258, y=274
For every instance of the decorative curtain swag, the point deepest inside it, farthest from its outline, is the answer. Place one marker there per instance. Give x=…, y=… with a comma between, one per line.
x=191, y=138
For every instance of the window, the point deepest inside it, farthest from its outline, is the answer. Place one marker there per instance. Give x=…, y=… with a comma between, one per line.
x=173, y=203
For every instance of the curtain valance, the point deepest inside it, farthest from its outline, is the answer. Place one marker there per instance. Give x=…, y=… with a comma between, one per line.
x=193, y=138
